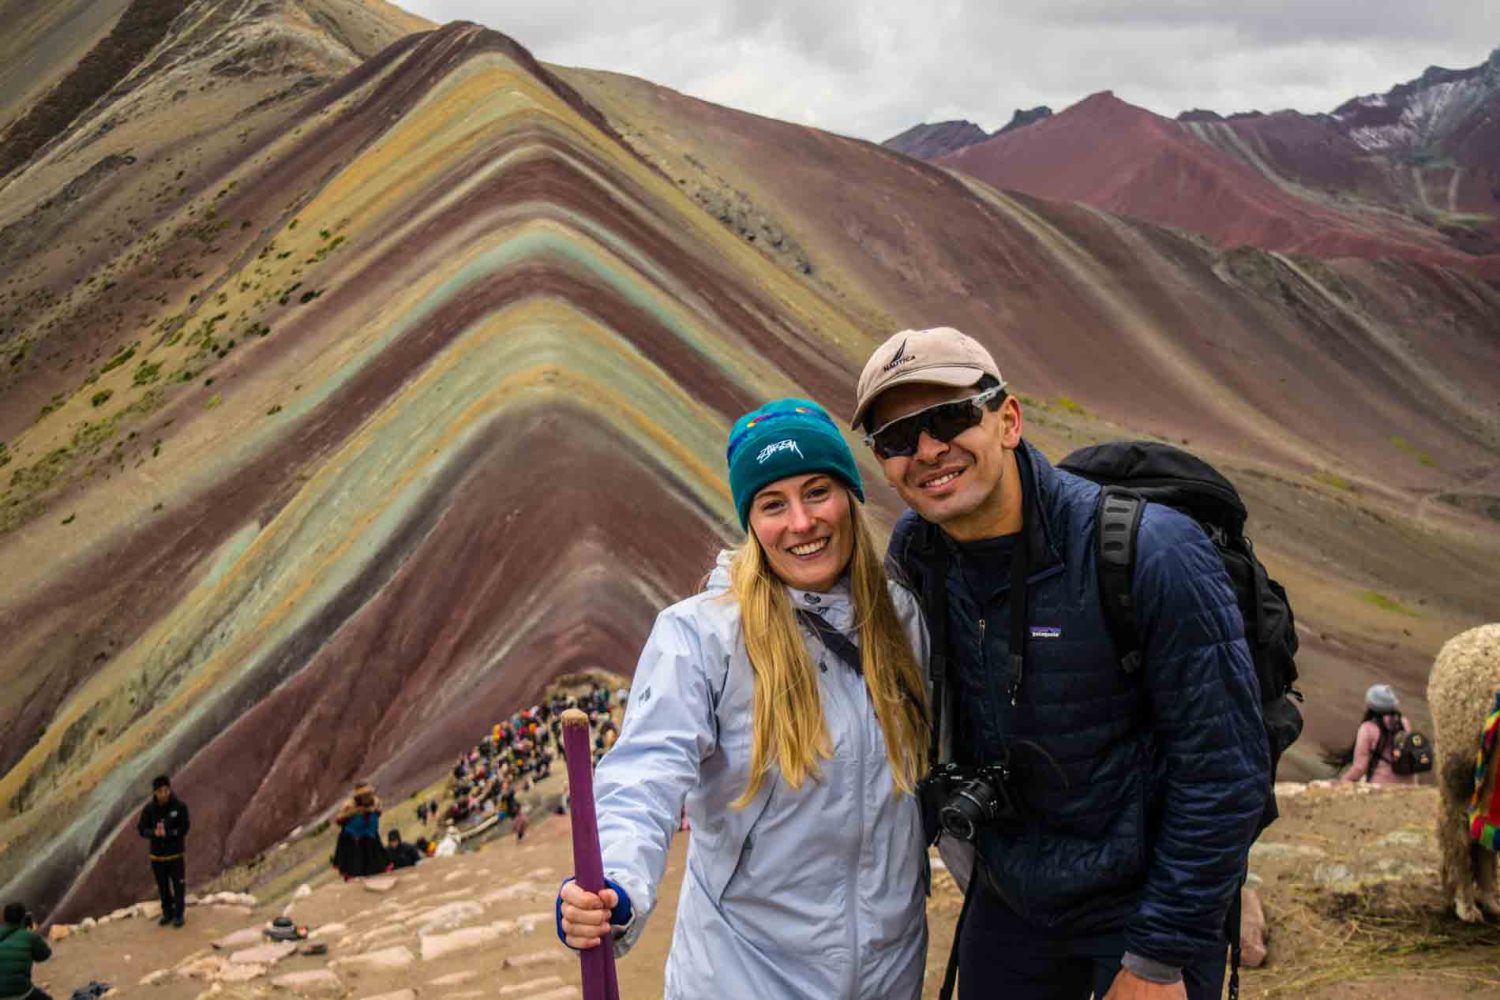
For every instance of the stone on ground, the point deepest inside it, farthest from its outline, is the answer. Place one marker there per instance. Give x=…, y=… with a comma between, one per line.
x=380, y=883
x=458, y=979
x=531, y=985
x=264, y=954
x=407, y=994
x=207, y=968
x=446, y=917
x=314, y=982
x=398, y=957
x=241, y=973
x=528, y=921
x=535, y=958
x=239, y=939
x=434, y=946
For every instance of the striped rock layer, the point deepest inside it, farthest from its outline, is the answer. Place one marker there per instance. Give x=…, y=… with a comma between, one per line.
x=415, y=396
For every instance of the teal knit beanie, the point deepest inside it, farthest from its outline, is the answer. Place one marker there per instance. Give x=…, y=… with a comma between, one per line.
x=785, y=437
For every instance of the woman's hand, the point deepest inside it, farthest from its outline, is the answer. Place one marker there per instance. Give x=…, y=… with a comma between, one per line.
x=585, y=915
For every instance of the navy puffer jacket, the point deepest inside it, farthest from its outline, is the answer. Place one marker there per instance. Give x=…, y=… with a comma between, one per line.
x=1141, y=793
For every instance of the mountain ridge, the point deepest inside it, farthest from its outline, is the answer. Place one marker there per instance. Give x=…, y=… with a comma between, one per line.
x=1413, y=172
x=345, y=403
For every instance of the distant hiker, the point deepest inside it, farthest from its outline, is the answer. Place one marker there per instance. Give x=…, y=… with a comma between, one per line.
x=807, y=872
x=1370, y=757
x=359, y=851
x=402, y=855
x=1112, y=805
x=20, y=946
x=422, y=813
x=164, y=822
x=520, y=824
x=449, y=845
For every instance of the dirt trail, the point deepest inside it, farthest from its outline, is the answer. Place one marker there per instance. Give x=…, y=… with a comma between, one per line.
x=1348, y=879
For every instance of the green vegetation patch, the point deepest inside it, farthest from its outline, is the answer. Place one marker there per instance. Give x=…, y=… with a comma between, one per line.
x=1415, y=452
x=146, y=372
x=101, y=397
x=1069, y=404
x=1336, y=481
x=1385, y=603
x=52, y=405
x=118, y=360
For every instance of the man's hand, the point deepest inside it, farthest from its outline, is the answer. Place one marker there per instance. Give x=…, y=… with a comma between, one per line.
x=585, y=915
x=1129, y=986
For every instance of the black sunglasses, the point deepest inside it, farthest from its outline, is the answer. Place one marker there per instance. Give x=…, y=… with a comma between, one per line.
x=943, y=422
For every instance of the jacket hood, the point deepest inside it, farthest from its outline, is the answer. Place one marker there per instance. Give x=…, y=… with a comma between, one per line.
x=718, y=577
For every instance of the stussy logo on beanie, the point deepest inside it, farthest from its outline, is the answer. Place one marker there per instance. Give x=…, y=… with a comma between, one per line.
x=897, y=359
x=771, y=449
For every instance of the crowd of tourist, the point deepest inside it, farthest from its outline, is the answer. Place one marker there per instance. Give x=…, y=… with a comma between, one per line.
x=489, y=779
x=487, y=783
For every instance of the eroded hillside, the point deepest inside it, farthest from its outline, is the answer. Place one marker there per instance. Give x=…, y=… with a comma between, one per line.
x=350, y=397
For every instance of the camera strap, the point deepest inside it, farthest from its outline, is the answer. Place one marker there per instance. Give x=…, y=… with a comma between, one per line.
x=837, y=643
x=950, y=974
x=935, y=606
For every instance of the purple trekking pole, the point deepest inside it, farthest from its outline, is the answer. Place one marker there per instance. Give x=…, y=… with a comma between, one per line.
x=588, y=867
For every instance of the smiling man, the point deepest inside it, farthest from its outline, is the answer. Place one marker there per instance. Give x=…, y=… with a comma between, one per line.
x=1111, y=811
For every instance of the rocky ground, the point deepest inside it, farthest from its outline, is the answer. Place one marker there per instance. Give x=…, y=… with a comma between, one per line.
x=1347, y=878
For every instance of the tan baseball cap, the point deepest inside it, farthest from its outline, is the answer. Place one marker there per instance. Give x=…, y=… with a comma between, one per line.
x=941, y=355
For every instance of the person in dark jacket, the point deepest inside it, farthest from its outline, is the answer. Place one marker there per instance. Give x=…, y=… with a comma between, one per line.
x=402, y=854
x=20, y=947
x=1135, y=796
x=164, y=822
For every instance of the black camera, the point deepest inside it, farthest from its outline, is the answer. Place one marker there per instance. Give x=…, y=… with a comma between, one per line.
x=960, y=800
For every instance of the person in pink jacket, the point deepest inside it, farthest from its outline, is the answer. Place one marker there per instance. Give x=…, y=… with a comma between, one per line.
x=1372, y=743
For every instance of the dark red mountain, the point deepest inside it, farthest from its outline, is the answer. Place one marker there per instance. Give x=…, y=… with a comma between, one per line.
x=1413, y=172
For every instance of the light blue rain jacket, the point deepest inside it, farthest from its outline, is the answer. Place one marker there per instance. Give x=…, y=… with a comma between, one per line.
x=814, y=893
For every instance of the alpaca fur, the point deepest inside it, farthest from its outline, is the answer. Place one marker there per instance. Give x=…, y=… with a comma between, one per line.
x=1460, y=692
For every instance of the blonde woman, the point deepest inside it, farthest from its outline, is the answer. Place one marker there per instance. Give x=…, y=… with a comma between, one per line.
x=795, y=741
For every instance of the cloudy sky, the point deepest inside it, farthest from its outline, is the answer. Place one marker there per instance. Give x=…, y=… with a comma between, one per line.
x=871, y=68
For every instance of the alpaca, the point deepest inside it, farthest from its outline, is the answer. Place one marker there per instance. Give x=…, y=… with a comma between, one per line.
x=1460, y=692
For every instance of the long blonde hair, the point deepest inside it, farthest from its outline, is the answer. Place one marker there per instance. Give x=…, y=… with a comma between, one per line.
x=788, y=729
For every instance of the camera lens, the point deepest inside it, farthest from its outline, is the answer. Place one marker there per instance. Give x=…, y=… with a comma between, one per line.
x=969, y=809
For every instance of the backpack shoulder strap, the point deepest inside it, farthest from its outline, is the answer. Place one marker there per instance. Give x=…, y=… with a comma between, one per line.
x=1382, y=746
x=1116, y=524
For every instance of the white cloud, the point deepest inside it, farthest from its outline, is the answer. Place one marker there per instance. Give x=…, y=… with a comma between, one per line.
x=871, y=68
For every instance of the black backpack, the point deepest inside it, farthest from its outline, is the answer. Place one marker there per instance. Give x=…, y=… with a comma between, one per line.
x=1136, y=472
x=1410, y=752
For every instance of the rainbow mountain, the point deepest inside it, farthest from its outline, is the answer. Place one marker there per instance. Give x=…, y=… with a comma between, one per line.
x=361, y=376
